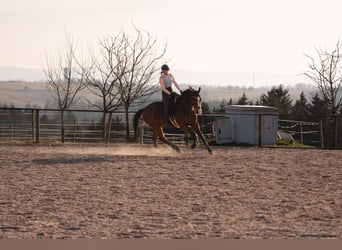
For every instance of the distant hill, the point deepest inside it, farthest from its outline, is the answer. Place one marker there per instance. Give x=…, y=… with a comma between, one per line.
x=191, y=77
x=21, y=94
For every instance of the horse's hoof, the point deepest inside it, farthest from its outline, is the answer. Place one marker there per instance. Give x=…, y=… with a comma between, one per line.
x=210, y=152
x=178, y=150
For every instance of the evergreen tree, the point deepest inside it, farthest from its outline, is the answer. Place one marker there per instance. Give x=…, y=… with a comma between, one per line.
x=319, y=105
x=301, y=107
x=223, y=105
x=243, y=100
x=278, y=97
x=205, y=107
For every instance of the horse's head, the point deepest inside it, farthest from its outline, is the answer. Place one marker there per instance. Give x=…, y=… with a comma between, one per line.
x=194, y=97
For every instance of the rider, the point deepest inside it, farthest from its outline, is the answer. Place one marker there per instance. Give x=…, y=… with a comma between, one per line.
x=166, y=79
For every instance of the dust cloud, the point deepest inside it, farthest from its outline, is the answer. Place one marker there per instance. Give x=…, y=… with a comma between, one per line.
x=108, y=150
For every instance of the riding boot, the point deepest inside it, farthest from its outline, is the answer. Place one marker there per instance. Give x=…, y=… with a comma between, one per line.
x=172, y=108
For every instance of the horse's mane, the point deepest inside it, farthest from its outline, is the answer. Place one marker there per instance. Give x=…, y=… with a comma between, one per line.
x=188, y=90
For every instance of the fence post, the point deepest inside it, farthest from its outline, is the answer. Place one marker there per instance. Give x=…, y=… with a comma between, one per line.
x=338, y=119
x=12, y=132
x=110, y=121
x=321, y=133
x=260, y=131
x=37, y=126
x=74, y=134
x=335, y=131
x=301, y=133
x=141, y=134
x=202, y=123
x=32, y=120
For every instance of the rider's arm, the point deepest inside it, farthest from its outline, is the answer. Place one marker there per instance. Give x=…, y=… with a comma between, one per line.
x=162, y=85
x=176, y=84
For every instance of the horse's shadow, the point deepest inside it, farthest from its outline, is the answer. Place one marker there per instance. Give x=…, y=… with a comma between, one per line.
x=60, y=160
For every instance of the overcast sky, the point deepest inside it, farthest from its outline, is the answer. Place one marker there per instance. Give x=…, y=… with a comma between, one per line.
x=223, y=35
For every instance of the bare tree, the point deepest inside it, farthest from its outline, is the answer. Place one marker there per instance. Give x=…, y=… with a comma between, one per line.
x=138, y=62
x=326, y=72
x=102, y=83
x=65, y=81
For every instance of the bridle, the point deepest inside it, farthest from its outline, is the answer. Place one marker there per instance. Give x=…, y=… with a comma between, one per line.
x=197, y=104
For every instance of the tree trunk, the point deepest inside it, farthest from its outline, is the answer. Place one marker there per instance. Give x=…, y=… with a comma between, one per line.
x=334, y=139
x=334, y=128
x=104, y=130
x=127, y=123
x=62, y=126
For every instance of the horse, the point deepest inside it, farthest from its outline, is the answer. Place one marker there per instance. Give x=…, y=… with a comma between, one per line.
x=186, y=110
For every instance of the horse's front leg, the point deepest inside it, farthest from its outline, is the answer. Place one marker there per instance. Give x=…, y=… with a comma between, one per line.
x=198, y=131
x=189, y=130
x=194, y=137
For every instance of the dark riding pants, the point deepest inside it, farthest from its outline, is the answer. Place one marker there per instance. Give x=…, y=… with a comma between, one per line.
x=166, y=99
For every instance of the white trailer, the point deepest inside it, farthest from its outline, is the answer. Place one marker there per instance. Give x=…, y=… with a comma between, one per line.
x=247, y=124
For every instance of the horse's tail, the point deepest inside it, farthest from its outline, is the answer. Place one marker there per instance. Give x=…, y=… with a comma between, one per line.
x=136, y=123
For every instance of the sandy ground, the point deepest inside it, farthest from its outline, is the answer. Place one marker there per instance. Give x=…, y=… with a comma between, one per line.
x=122, y=191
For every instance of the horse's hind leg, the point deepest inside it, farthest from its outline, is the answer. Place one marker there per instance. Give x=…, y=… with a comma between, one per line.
x=166, y=141
x=155, y=139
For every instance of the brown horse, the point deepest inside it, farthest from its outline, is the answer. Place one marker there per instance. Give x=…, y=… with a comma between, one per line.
x=188, y=105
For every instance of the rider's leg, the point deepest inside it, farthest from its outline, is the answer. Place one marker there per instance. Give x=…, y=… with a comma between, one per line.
x=166, y=98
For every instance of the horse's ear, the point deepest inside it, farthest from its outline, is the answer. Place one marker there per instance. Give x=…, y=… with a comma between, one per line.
x=199, y=90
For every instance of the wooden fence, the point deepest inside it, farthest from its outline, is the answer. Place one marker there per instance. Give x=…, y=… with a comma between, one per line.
x=302, y=129
x=83, y=126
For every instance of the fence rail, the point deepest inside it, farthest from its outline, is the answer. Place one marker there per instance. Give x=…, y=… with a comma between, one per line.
x=297, y=128
x=81, y=126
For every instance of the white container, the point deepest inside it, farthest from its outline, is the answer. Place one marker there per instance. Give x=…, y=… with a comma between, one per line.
x=241, y=125
x=224, y=130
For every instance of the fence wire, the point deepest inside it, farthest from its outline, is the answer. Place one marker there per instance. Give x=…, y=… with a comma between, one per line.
x=82, y=126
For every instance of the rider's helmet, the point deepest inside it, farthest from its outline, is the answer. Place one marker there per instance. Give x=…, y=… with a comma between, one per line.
x=165, y=67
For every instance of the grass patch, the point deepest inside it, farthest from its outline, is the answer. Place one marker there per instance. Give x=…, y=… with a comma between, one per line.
x=292, y=144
